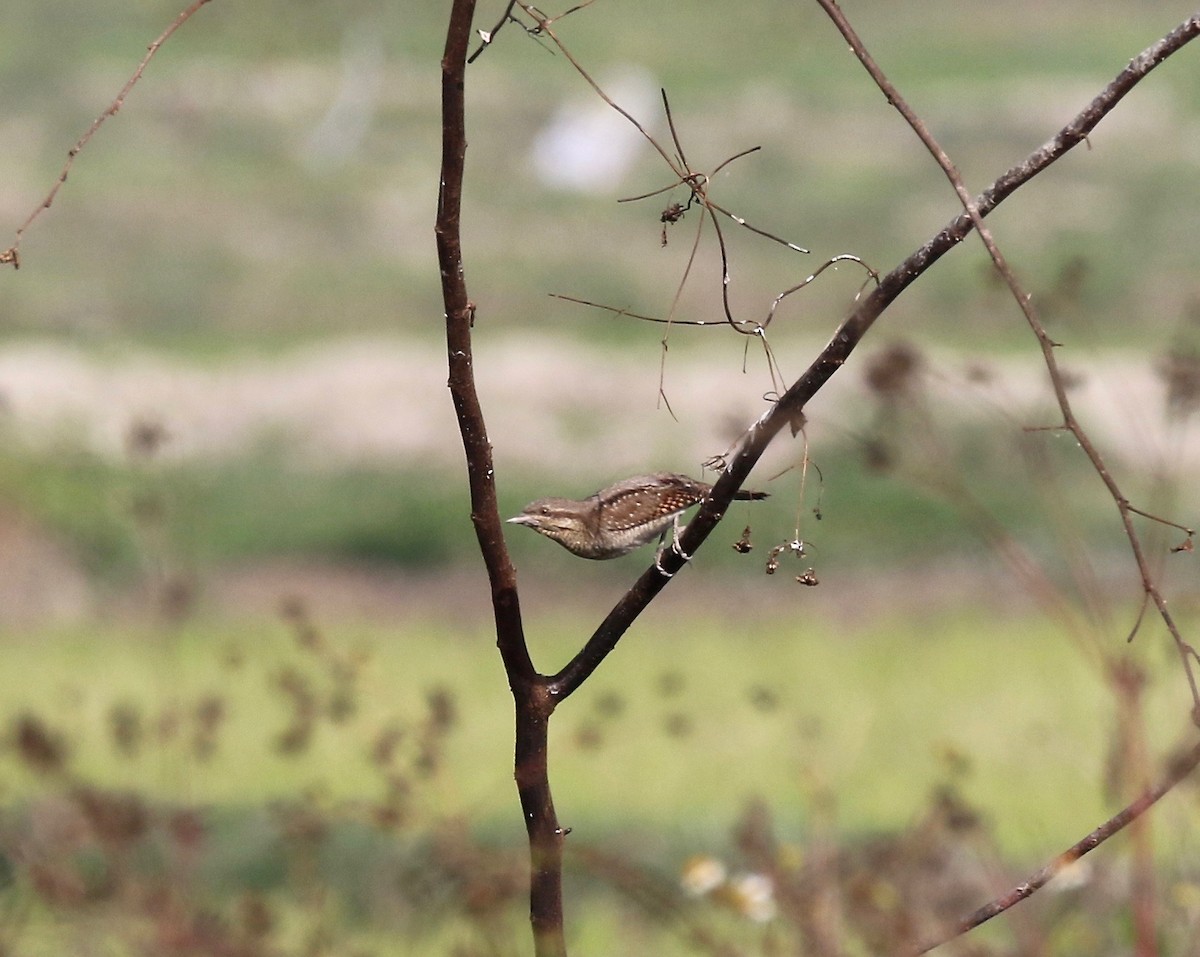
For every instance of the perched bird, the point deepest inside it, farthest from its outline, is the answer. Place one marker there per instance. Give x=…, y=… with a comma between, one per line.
x=616, y=520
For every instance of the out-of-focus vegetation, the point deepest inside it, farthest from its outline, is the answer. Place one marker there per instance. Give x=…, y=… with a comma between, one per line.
x=790, y=704
x=352, y=782
x=875, y=506
x=217, y=212
x=223, y=210
x=185, y=781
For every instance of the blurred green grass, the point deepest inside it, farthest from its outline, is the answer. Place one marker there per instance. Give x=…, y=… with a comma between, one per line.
x=218, y=233
x=119, y=518
x=690, y=717
x=831, y=722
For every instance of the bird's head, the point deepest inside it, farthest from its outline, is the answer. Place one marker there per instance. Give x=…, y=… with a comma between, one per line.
x=553, y=517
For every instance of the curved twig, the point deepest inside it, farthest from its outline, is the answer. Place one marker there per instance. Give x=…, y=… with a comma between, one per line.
x=488, y=37
x=13, y=253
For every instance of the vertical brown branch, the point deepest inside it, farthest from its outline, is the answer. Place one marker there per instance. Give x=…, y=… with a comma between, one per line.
x=532, y=701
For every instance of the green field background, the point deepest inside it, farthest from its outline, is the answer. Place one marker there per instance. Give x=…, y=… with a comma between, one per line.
x=201, y=228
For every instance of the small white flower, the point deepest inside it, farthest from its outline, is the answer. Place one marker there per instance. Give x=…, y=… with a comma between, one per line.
x=753, y=895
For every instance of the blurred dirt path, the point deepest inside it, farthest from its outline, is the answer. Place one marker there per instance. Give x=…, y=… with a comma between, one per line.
x=581, y=412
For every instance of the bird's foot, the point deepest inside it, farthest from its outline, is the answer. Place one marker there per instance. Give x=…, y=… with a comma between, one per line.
x=675, y=547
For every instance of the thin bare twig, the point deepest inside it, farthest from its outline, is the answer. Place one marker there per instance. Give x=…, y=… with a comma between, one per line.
x=1176, y=772
x=488, y=37
x=872, y=275
x=697, y=183
x=1047, y=345
x=687, y=271
x=1189, y=532
x=543, y=27
x=13, y=253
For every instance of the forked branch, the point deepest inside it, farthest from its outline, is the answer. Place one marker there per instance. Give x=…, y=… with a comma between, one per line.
x=532, y=703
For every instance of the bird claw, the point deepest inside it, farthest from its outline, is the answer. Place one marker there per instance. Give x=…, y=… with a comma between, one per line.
x=676, y=546
x=662, y=551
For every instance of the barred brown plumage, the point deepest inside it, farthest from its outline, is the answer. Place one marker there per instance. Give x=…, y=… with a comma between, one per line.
x=616, y=520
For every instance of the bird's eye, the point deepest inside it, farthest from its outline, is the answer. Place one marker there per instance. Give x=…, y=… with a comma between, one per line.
x=545, y=509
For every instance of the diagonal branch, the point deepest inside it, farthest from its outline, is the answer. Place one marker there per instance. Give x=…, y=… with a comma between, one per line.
x=788, y=411
x=1069, y=421
x=1176, y=772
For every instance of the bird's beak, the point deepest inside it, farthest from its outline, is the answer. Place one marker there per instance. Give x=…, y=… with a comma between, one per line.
x=521, y=519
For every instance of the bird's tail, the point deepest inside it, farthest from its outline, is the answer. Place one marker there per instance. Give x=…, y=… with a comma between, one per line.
x=745, y=494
